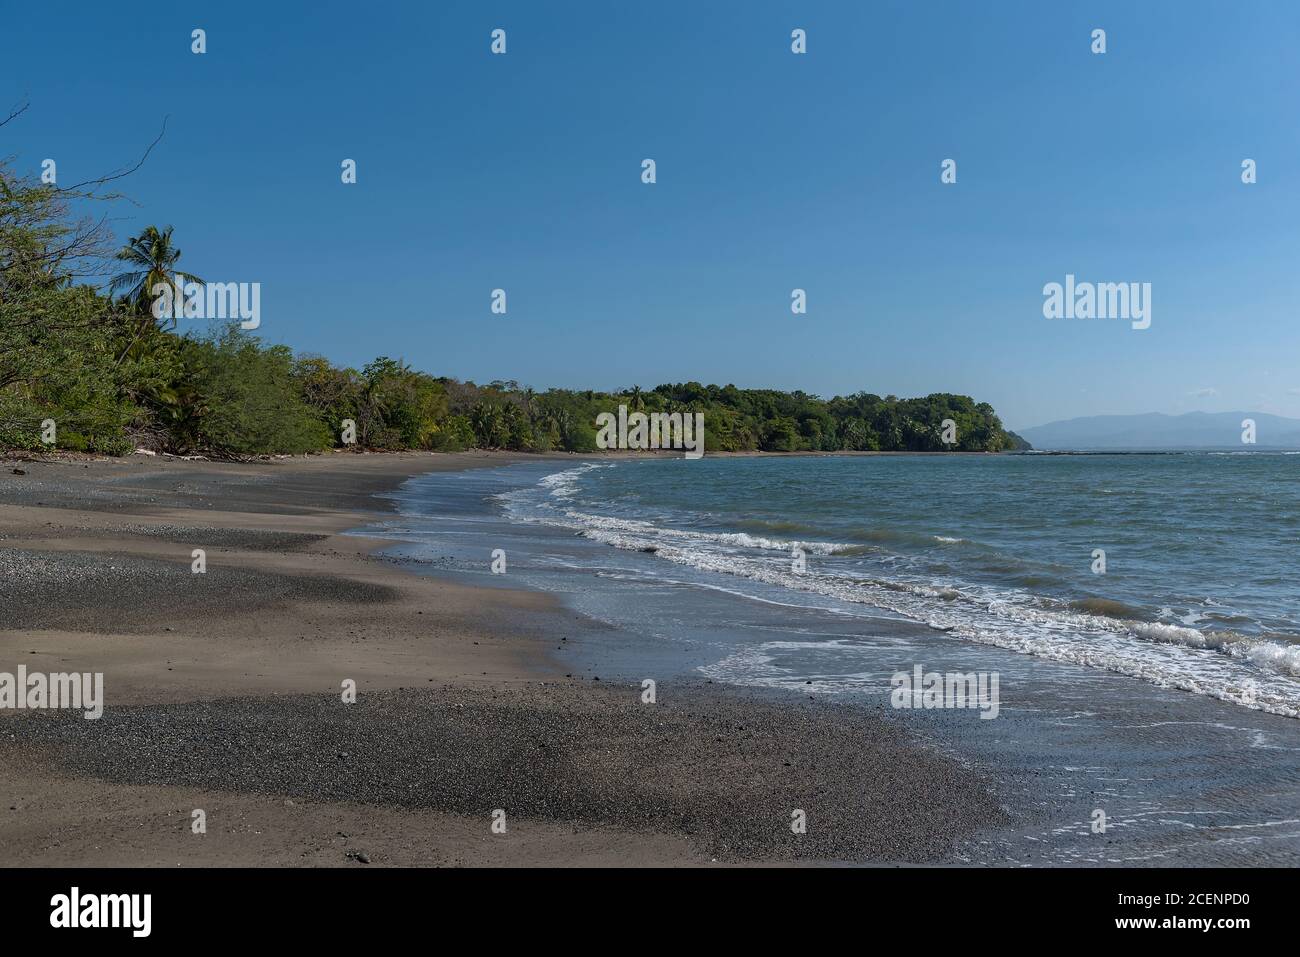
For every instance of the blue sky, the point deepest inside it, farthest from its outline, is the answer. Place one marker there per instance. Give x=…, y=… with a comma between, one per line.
x=775, y=171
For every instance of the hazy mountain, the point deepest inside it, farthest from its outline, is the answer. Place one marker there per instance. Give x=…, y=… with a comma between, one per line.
x=1155, y=430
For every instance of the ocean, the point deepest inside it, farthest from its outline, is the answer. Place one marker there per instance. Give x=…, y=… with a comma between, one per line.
x=1160, y=679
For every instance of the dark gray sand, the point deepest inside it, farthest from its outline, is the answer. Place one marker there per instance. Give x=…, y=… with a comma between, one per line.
x=77, y=591
x=298, y=486
x=722, y=767
x=216, y=696
x=248, y=539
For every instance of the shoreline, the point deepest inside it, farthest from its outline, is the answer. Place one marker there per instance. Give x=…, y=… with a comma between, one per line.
x=97, y=560
x=1069, y=729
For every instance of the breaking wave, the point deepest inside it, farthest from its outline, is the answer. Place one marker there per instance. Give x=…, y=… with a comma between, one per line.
x=1251, y=671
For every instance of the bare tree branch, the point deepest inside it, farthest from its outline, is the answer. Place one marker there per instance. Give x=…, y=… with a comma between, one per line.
x=16, y=112
x=109, y=177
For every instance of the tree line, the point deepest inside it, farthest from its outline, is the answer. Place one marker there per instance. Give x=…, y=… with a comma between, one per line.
x=93, y=359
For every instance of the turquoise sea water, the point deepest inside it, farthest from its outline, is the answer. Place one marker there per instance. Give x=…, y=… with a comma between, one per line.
x=1202, y=551
x=1164, y=691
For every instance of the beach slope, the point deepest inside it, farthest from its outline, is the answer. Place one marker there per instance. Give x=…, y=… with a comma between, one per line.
x=224, y=694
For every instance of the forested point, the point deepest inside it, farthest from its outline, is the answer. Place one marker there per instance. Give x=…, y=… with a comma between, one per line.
x=80, y=346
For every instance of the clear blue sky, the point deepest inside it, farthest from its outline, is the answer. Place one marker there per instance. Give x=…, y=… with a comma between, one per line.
x=775, y=171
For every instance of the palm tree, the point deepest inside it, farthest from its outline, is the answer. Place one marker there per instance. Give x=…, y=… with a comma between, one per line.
x=853, y=434
x=155, y=258
x=561, y=420
x=487, y=419
x=636, y=399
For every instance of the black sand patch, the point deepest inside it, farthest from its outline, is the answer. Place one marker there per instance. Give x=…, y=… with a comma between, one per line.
x=724, y=768
x=76, y=591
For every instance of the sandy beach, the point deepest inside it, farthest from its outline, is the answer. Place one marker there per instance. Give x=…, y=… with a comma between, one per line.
x=223, y=694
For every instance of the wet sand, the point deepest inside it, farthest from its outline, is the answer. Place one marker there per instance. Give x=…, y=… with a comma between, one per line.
x=223, y=694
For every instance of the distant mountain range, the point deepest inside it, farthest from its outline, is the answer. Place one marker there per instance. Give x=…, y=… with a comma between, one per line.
x=1157, y=431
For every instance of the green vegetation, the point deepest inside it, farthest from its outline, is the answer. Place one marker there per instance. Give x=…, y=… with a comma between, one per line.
x=114, y=378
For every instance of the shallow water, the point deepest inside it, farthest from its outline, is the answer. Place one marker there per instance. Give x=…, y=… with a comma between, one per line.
x=1160, y=692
